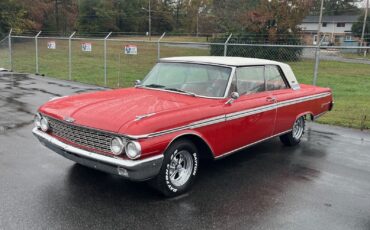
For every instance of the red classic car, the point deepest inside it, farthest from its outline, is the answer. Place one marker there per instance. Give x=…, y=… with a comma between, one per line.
x=186, y=108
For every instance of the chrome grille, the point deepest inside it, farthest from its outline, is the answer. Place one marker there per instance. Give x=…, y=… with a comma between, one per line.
x=82, y=136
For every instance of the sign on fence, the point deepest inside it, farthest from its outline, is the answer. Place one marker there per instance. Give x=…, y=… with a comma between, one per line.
x=131, y=49
x=86, y=47
x=52, y=45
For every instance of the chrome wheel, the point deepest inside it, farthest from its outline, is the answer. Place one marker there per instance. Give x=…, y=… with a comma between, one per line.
x=298, y=128
x=180, y=168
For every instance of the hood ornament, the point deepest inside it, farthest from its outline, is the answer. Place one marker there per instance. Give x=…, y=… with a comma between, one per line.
x=69, y=119
x=139, y=117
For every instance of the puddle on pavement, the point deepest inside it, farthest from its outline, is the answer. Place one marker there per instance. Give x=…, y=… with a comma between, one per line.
x=14, y=88
x=304, y=172
x=16, y=113
x=6, y=127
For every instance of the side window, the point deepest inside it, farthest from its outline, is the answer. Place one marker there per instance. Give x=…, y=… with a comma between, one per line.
x=250, y=79
x=274, y=79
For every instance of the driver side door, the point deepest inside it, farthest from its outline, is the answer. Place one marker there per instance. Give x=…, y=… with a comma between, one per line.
x=251, y=117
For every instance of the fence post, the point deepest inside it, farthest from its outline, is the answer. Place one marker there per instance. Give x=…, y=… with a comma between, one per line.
x=10, y=49
x=70, y=56
x=37, y=52
x=317, y=61
x=105, y=58
x=225, y=45
x=159, y=46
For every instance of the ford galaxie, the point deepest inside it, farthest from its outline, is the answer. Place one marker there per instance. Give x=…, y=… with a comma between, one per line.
x=185, y=109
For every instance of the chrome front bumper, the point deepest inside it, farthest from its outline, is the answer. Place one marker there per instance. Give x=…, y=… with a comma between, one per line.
x=137, y=170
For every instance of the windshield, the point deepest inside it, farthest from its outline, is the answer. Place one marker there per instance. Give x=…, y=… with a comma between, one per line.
x=194, y=79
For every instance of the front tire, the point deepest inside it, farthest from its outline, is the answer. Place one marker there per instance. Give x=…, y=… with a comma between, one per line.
x=179, y=169
x=294, y=137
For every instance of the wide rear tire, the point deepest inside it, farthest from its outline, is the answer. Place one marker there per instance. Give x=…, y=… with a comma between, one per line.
x=294, y=137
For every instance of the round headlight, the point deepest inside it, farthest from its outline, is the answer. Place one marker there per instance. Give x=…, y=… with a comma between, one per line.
x=133, y=149
x=117, y=146
x=44, y=124
x=38, y=120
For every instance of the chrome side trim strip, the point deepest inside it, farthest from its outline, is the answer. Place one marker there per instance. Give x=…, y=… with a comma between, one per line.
x=198, y=124
x=251, y=144
x=302, y=99
x=128, y=164
x=209, y=121
x=232, y=116
x=249, y=112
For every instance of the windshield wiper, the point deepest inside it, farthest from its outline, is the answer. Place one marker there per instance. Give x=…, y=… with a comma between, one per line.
x=168, y=88
x=181, y=91
x=154, y=86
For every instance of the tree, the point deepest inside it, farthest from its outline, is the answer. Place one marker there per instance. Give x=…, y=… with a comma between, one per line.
x=97, y=16
x=36, y=12
x=337, y=7
x=274, y=22
x=65, y=16
x=357, y=28
x=163, y=19
x=130, y=16
x=13, y=15
x=228, y=13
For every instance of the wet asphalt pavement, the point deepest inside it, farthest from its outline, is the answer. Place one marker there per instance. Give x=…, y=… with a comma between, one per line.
x=324, y=183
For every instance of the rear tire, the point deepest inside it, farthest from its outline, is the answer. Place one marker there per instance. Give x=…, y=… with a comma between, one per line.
x=294, y=137
x=179, y=169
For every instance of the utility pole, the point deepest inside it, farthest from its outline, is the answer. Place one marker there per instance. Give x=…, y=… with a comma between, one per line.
x=149, y=10
x=320, y=21
x=197, y=23
x=57, y=15
x=317, y=54
x=365, y=20
x=150, y=22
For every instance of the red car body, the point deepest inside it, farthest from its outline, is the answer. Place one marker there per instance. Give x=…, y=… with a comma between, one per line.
x=155, y=118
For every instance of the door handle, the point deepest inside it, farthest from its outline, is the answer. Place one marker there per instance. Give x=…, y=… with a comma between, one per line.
x=271, y=99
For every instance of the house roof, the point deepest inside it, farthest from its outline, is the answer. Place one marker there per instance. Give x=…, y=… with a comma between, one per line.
x=334, y=18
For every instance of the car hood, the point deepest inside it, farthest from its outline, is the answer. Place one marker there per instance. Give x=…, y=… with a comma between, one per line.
x=113, y=109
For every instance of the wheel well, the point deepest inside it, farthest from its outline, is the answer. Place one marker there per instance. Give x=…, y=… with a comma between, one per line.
x=205, y=152
x=307, y=116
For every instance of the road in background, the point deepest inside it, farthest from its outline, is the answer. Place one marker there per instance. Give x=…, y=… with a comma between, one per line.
x=323, y=183
x=334, y=55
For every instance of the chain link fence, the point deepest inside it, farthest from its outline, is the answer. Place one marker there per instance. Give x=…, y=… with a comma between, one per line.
x=123, y=69
x=4, y=53
x=23, y=54
x=53, y=61
x=116, y=61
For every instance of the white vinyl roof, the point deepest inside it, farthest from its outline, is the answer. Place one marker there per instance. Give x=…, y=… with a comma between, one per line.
x=218, y=60
x=237, y=61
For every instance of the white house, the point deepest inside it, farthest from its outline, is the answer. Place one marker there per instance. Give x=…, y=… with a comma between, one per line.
x=336, y=29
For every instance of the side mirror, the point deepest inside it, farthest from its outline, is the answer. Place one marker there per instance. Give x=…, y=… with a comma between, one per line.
x=233, y=97
x=137, y=82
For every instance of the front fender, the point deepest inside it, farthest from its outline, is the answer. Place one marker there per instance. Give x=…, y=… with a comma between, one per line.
x=158, y=145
